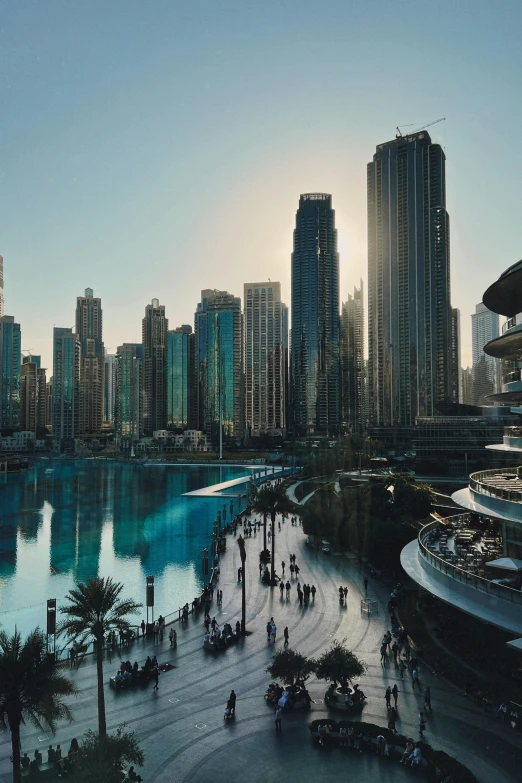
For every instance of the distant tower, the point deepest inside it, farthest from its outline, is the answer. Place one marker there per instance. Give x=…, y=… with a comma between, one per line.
x=89, y=331
x=2, y=307
x=128, y=409
x=154, y=339
x=352, y=361
x=485, y=369
x=66, y=386
x=10, y=360
x=180, y=377
x=315, y=337
x=409, y=310
x=33, y=391
x=265, y=358
x=456, y=393
x=109, y=387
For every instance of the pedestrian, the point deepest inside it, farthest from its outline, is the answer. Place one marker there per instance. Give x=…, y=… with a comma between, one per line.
x=415, y=679
x=388, y=696
x=394, y=649
x=156, y=632
x=427, y=698
x=283, y=566
x=365, y=585
x=173, y=638
x=143, y=627
x=214, y=623
x=239, y=573
x=402, y=668
x=155, y=677
x=292, y=568
x=392, y=719
x=383, y=653
x=422, y=723
x=313, y=591
x=345, y=593
x=161, y=622
x=281, y=588
x=285, y=634
x=274, y=631
x=278, y=714
x=395, y=694
x=288, y=587
x=268, y=630
x=300, y=596
x=296, y=570
x=260, y=568
x=232, y=702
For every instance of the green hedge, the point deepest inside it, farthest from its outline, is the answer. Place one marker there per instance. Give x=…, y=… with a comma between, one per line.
x=435, y=758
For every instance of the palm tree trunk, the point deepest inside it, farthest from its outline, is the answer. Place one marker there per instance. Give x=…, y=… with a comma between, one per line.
x=102, y=722
x=243, y=599
x=264, y=533
x=15, y=751
x=272, y=563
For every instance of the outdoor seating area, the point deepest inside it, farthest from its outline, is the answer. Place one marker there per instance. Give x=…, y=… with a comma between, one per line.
x=504, y=484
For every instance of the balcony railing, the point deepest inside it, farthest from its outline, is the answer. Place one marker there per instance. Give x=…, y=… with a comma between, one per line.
x=511, y=377
x=495, y=484
x=513, y=432
x=509, y=324
x=460, y=574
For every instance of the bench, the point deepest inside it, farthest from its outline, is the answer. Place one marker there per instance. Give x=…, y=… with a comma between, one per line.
x=367, y=743
x=213, y=647
x=45, y=772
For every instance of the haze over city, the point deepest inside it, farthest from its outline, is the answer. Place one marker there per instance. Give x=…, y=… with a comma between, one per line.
x=152, y=151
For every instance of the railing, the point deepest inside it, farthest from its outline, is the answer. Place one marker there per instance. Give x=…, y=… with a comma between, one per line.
x=478, y=482
x=460, y=574
x=513, y=432
x=509, y=324
x=511, y=377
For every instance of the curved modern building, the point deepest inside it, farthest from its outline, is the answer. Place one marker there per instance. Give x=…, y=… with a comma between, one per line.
x=474, y=560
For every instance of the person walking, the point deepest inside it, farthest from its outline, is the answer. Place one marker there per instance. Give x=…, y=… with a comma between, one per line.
x=268, y=630
x=173, y=638
x=143, y=627
x=260, y=568
x=278, y=714
x=402, y=669
x=281, y=588
x=288, y=586
x=345, y=593
x=395, y=649
x=155, y=677
x=239, y=573
x=232, y=701
x=388, y=696
x=365, y=586
x=313, y=591
x=427, y=698
x=283, y=566
x=415, y=679
x=383, y=654
x=156, y=632
x=422, y=723
x=395, y=694
x=274, y=631
x=286, y=635
x=296, y=569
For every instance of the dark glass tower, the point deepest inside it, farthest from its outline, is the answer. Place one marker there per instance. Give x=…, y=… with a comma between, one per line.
x=409, y=310
x=180, y=377
x=154, y=339
x=315, y=370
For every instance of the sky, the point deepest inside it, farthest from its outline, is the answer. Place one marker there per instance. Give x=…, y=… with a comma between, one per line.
x=156, y=149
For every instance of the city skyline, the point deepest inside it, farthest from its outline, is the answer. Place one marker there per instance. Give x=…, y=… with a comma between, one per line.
x=109, y=166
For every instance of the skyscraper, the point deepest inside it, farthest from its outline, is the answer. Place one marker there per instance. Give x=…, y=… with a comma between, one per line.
x=33, y=392
x=109, y=387
x=66, y=386
x=89, y=331
x=485, y=369
x=352, y=361
x=154, y=339
x=315, y=337
x=265, y=356
x=1, y=286
x=128, y=410
x=409, y=311
x=10, y=359
x=180, y=377
x=219, y=365
x=455, y=391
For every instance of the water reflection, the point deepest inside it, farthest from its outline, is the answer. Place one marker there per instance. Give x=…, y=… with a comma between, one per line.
x=64, y=522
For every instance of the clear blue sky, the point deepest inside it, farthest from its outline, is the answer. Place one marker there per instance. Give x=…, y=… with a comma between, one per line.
x=152, y=149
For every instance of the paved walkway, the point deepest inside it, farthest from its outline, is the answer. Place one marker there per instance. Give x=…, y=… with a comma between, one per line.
x=181, y=727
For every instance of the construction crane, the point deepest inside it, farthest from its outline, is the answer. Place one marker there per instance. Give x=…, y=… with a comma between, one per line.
x=422, y=127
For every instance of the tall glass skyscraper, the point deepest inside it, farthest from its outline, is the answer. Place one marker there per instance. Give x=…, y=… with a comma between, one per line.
x=485, y=369
x=265, y=357
x=66, y=386
x=92, y=364
x=352, y=362
x=219, y=365
x=10, y=360
x=154, y=339
x=315, y=339
x=128, y=408
x=33, y=390
x=180, y=377
x=1, y=286
x=409, y=310
x=109, y=387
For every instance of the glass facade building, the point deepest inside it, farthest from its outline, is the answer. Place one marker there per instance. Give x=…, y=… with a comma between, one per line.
x=219, y=365
x=128, y=408
x=266, y=353
x=33, y=391
x=154, y=339
x=66, y=386
x=485, y=369
x=92, y=364
x=352, y=362
x=315, y=335
x=10, y=361
x=180, y=377
x=409, y=311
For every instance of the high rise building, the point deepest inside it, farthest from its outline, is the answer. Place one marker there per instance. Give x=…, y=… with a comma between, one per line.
x=2, y=307
x=180, y=377
x=352, y=362
x=315, y=336
x=128, y=410
x=466, y=385
x=33, y=392
x=265, y=357
x=66, y=387
x=10, y=359
x=455, y=391
x=485, y=369
x=154, y=339
x=89, y=331
x=109, y=387
x=49, y=403
x=219, y=365
x=409, y=310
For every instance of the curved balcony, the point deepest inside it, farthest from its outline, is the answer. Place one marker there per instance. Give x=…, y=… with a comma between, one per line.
x=459, y=586
x=507, y=345
x=505, y=295
x=495, y=492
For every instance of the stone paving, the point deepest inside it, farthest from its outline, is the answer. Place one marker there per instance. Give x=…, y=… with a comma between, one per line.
x=181, y=727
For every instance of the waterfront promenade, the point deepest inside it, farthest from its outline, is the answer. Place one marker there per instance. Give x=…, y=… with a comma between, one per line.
x=181, y=727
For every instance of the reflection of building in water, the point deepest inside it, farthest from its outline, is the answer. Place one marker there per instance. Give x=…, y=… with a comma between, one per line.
x=8, y=529
x=128, y=516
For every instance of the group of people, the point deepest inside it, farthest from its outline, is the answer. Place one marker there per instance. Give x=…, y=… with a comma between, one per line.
x=61, y=764
x=216, y=637
x=128, y=673
x=271, y=630
x=304, y=593
x=343, y=594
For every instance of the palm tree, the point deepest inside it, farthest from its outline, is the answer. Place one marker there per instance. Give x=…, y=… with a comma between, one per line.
x=242, y=555
x=30, y=689
x=271, y=501
x=95, y=609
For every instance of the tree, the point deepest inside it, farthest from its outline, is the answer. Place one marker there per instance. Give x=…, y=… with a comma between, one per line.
x=242, y=555
x=101, y=758
x=30, y=689
x=289, y=666
x=95, y=609
x=339, y=665
x=271, y=501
